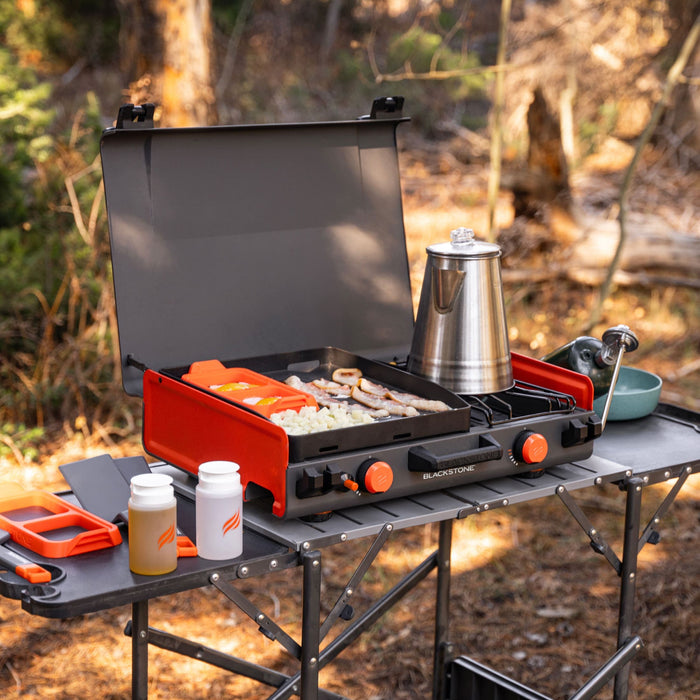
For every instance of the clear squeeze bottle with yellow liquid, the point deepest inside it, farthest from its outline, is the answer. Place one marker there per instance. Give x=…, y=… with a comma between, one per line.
x=152, y=525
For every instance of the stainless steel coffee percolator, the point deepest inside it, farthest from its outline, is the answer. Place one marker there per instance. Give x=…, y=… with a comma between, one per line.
x=460, y=338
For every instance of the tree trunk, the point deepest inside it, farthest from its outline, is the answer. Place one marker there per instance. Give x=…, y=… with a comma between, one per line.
x=330, y=31
x=166, y=57
x=541, y=191
x=685, y=114
x=546, y=161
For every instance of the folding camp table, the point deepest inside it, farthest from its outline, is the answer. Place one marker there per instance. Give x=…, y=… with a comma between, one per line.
x=634, y=455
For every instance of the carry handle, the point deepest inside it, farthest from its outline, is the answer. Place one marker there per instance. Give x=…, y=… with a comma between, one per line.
x=420, y=459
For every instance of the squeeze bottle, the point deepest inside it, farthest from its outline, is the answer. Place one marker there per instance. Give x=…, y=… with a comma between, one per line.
x=152, y=525
x=219, y=511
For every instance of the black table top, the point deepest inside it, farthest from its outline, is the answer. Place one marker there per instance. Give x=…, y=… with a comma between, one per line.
x=102, y=579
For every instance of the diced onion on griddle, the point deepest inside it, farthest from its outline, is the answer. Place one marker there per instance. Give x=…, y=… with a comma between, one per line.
x=309, y=420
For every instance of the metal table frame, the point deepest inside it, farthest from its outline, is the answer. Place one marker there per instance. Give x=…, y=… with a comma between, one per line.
x=288, y=544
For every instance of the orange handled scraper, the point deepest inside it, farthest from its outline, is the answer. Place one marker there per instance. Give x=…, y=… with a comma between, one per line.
x=21, y=565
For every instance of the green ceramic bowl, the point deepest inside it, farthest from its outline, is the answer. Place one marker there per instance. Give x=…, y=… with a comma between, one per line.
x=636, y=395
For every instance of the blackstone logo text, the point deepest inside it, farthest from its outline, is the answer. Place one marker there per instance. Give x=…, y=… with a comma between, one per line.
x=450, y=472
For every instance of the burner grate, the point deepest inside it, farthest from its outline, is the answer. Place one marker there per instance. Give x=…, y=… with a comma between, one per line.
x=523, y=400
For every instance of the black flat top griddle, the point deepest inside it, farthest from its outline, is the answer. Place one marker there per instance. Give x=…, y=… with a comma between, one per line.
x=320, y=363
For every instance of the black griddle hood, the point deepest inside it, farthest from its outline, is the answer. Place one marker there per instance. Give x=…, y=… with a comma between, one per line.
x=237, y=241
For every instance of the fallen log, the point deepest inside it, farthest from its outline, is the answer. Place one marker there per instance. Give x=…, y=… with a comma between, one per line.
x=653, y=254
x=650, y=245
x=593, y=277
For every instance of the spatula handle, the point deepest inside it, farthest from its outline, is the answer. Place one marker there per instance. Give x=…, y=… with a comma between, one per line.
x=23, y=567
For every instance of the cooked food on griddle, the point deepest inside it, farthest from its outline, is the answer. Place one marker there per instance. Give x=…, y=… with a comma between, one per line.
x=323, y=398
x=347, y=375
x=333, y=388
x=430, y=405
x=309, y=420
x=352, y=393
x=394, y=408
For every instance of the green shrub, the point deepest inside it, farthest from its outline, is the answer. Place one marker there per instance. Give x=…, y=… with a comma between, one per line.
x=420, y=52
x=56, y=320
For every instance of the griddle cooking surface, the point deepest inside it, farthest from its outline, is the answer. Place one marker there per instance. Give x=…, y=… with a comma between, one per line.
x=321, y=363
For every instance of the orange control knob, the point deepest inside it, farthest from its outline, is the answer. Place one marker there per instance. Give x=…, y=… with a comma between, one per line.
x=530, y=447
x=377, y=477
x=351, y=485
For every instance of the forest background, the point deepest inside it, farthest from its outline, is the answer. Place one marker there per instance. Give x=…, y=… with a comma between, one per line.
x=602, y=69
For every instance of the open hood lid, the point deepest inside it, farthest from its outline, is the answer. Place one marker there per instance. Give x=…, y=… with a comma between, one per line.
x=237, y=241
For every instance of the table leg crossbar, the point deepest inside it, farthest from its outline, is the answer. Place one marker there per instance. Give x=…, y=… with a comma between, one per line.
x=311, y=657
x=626, y=569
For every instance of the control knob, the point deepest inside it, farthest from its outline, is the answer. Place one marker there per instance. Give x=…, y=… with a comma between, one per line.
x=530, y=447
x=375, y=476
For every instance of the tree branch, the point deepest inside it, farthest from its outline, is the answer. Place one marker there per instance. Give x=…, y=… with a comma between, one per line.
x=672, y=78
x=497, y=124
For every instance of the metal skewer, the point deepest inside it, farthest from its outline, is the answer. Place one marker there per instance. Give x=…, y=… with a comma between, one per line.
x=619, y=339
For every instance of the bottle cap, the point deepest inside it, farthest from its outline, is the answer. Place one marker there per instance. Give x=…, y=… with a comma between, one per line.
x=219, y=474
x=151, y=489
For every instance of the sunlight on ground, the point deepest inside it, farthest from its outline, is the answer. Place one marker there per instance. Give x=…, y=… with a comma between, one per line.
x=690, y=492
x=475, y=545
x=43, y=473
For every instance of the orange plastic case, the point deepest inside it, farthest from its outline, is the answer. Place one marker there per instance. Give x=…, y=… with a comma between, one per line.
x=243, y=386
x=30, y=515
x=186, y=426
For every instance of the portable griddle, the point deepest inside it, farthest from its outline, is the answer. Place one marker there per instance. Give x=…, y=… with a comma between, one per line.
x=281, y=249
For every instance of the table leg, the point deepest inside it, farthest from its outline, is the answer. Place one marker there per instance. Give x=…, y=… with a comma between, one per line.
x=628, y=577
x=139, y=650
x=310, y=629
x=443, y=648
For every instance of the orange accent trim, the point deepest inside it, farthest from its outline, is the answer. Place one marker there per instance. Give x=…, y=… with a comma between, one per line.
x=185, y=547
x=185, y=426
x=167, y=537
x=532, y=371
x=233, y=522
x=33, y=573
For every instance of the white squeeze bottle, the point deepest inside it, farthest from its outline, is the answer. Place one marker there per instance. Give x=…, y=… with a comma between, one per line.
x=152, y=525
x=219, y=511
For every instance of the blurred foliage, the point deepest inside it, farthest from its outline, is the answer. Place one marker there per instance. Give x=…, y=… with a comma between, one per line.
x=59, y=68
x=593, y=132
x=419, y=51
x=24, y=443
x=371, y=43
x=25, y=149
x=50, y=35
x=56, y=355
